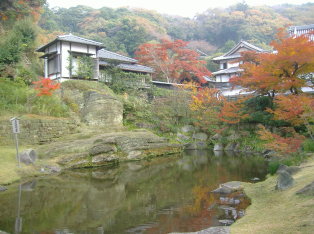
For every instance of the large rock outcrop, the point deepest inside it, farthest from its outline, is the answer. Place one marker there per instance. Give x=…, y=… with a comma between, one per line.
x=96, y=106
x=108, y=148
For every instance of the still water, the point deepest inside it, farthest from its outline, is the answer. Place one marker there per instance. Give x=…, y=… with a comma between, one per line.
x=169, y=194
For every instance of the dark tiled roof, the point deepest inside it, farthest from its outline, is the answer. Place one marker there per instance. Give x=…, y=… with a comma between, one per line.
x=105, y=54
x=227, y=57
x=231, y=53
x=228, y=71
x=135, y=67
x=302, y=27
x=71, y=38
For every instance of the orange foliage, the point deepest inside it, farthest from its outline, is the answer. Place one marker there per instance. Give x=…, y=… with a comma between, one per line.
x=288, y=144
x=270, y=73
x=206, y=104
x=232, y=111
x=45, y=86
x=173, y=61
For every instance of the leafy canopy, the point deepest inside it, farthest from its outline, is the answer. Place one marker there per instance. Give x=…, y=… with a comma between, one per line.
x=173, y=61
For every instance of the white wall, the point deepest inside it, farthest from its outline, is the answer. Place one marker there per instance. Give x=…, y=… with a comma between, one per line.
x=74, y=47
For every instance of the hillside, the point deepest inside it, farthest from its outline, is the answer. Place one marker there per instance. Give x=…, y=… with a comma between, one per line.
x=124, y=29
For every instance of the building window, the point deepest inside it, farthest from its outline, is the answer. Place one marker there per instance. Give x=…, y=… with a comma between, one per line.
x=224, y=65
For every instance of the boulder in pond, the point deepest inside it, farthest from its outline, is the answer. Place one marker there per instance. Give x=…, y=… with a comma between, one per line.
x=200, y=136
x=200, y=145
x=307, y=190
x=188, y=129
x=284, y=180
x=2, y=188
x=218, y=147
x=28, y=156
x=230, y=146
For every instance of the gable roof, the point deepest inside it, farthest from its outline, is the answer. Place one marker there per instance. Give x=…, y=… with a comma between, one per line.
x=71, y=38
x=136, y=67
x=231, y=54
x=105, y=54
x=308, y=27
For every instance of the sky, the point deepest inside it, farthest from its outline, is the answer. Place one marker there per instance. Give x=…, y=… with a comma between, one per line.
x=187, y=8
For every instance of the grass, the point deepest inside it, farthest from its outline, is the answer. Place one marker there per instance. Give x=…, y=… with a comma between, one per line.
x=9, y=171
x=279, y=211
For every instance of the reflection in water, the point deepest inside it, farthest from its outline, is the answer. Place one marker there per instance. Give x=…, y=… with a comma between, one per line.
x=163, y=195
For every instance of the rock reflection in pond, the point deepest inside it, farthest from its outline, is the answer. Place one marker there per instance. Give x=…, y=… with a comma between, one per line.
x=169, y=194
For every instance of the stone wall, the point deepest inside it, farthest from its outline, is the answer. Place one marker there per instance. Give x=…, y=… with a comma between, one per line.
x=37, y=130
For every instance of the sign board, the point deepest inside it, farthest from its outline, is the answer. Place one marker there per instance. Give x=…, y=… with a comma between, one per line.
x=15, y=125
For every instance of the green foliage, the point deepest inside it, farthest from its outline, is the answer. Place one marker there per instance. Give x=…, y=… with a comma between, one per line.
x=17, y=57
x=85, y=67
x=17, y=98
x=120, y=81
x=308, y=145
x=123, y=29
x=256, y=107
x=273, y=167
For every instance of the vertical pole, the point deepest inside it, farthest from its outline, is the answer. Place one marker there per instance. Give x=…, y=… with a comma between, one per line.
x=18, y=220
x=17, y=150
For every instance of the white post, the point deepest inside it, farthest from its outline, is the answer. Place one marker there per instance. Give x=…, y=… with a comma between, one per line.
x=16, y=129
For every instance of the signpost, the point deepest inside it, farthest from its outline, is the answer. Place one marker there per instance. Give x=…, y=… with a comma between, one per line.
x=16, y=130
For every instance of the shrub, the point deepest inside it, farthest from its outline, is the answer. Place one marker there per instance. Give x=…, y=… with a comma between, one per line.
x=308, y=145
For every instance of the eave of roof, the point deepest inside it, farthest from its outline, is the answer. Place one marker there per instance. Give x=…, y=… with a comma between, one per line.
x=136, y=67
x=71, y=38
x=228, y=71
x=105, y=54
x=230, y=55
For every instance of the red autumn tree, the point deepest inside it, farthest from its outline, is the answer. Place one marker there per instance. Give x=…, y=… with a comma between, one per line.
x=295, y=109
x=46, y=86
x=173, y=61
x=206, y=105
x=232, y=112
x=281, y=71
x=291, y=143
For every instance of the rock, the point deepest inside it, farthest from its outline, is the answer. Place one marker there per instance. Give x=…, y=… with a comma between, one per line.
x=102, y=148
x=230, y=146
x=233, y=185
x=200, y=136
x=217, y=136
x=52, y=169
x=28, y=156
x=29, y=186
x=134, y=155
x=222, y=190
x=196, y=146
x=101, y=159
x=101, y=109
x=2, y=232
x=255, y=179
x=307, y=190
x=284, y=180
x=218, y=147
x=218, y=153
x=291, y=170
x=211, y=230
x=233, y=137
x=188, y=129
x=181, y=137
x=2, y=188
x=226, y=222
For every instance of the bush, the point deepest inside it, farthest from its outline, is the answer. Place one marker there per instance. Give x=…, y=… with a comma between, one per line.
x=121, y=82
x=18, y=98
x=308, y=145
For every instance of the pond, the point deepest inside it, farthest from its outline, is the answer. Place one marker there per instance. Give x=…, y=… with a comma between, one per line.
x=168, y=194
